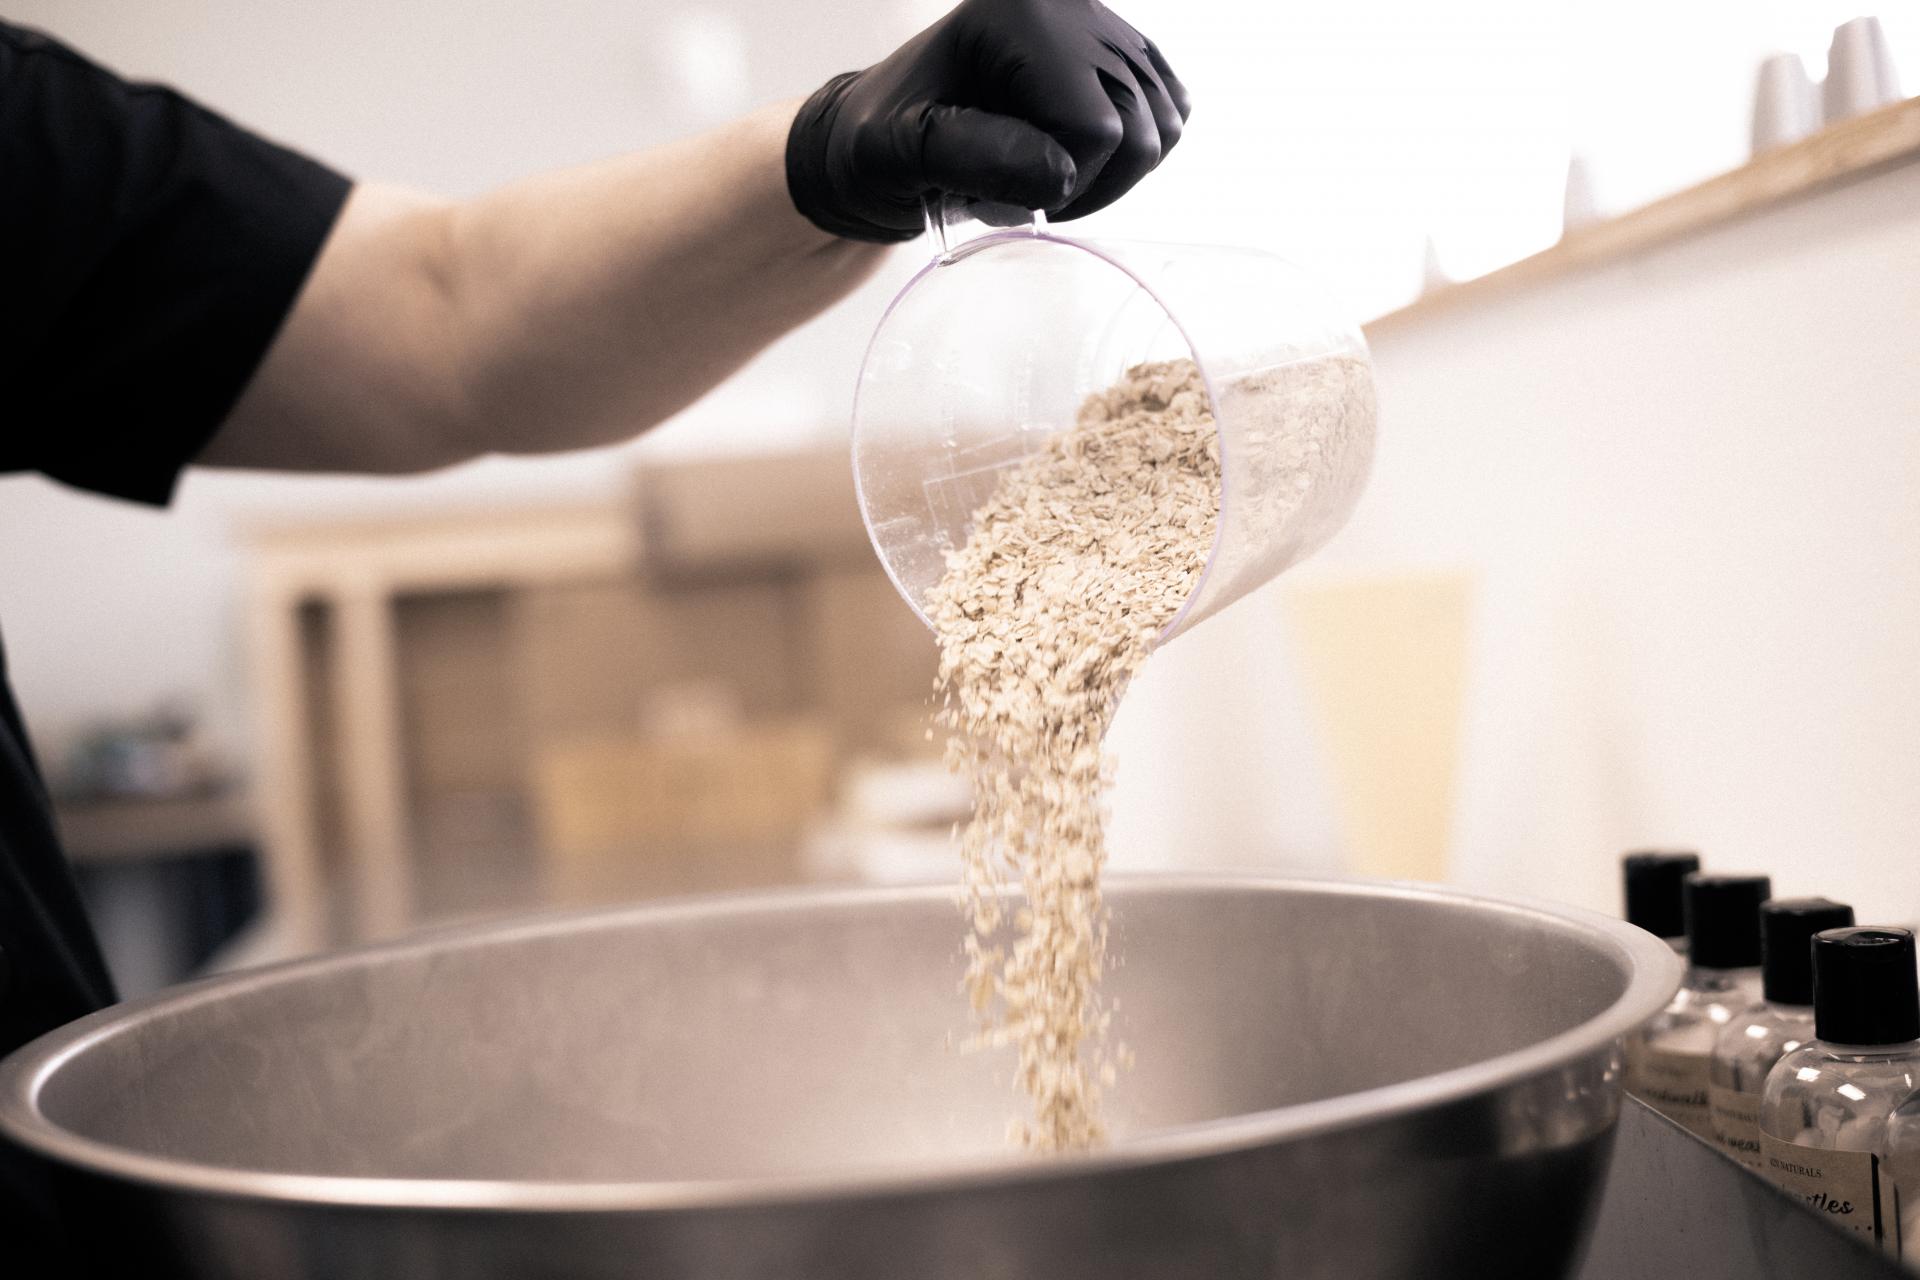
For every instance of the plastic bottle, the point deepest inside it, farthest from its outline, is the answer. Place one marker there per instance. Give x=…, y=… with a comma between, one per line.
x=1761, y=1034
x=1829, y=1111
x=1654, y=889
x=1903, y=1159
x=1667, y=1063
x=1655, y=885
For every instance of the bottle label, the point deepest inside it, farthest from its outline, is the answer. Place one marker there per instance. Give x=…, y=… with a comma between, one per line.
x=1848, y=1188
x=1736, y=1123
x=1674, y=1084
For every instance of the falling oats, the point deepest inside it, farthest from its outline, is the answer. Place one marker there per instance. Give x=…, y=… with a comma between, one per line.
x=1082, y=556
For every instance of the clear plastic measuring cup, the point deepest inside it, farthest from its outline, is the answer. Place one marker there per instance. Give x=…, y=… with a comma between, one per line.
x=991, y=349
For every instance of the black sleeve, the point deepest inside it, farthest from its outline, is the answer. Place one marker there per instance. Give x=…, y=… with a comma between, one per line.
x=149, y=251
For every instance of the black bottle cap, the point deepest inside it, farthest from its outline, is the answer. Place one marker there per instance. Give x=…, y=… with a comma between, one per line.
x=1787, y=926
x=1723, y=920
x=1865, y=989
x=1656, y=881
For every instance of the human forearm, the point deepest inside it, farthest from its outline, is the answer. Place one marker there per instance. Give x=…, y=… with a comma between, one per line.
x=567, y=310
x=596, y=302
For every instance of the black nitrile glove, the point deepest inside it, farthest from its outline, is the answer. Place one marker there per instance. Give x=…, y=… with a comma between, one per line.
x=1041, y=104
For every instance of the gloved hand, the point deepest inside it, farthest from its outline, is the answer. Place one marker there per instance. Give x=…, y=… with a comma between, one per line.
x=1042, y=104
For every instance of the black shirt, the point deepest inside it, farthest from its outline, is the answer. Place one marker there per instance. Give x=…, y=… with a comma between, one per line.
x=149, y=251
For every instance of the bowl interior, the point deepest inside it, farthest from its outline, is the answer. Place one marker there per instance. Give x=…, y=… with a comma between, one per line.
x=803, y=1034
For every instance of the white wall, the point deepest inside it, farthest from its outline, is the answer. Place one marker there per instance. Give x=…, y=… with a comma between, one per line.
x=1688, y=488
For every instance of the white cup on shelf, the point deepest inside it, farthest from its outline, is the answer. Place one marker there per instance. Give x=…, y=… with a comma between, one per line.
x=1786, y=105
x=1860, y=74
x=1580, y=199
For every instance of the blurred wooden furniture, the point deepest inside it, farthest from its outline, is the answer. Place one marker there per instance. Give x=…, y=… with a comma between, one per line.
x=137, y=828
x=473, y=712
x=727, y=802
x=329, y=769
x=170, y=881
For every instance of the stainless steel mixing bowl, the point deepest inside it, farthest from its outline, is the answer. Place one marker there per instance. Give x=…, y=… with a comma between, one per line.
x=1332, y=1079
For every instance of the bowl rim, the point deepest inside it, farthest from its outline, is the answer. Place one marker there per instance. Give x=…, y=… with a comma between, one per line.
x=1651, y=969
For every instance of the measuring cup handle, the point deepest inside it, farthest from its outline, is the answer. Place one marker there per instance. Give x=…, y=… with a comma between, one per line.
x=945, y=214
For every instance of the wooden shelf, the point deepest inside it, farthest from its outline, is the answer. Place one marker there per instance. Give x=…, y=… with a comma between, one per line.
x=1844, y=153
